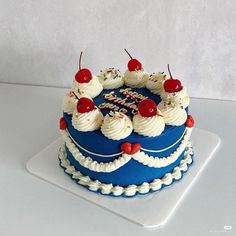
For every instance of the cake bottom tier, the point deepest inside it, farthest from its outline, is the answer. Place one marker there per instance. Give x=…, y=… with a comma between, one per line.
x=155, y=184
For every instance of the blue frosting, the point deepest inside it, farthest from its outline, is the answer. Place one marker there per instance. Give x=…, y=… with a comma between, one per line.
x=144, y=91
x=96, y=142
x=133, y=172
x=111, y=195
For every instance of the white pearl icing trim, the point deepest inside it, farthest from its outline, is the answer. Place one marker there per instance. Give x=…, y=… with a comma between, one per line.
x=141, y=157
x=131, y=190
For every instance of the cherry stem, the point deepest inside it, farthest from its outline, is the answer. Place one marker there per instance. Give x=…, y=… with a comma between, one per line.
x=168, y=66
x=80, y=58
x=75, y=95
x=128, y=54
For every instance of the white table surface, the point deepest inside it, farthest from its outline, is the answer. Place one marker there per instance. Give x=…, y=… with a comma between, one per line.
x=30, y=206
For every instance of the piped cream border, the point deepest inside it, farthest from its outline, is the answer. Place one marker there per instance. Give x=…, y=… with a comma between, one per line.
x=130, y=190
x=111, y=166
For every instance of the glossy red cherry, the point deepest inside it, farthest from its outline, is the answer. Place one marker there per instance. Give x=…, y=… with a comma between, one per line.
x=63, y=124
x=147, y=108
x=189, y=122
x=133, y=63
x=85, y=105
x=172, y=85
x=83, y=75
x=130, y=148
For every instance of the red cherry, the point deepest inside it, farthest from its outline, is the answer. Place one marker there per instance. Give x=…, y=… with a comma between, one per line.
x=83, y=75
x=135, y=148
x=126, y=147
x=85, y=105
x=63, y=124
x=189, y=122
x=133, y=63
x=147, y=108
x=130, y=148
x=172, y=85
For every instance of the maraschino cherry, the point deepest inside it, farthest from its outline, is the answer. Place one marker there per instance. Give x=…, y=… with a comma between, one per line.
x=189, y=122
x=172, y=85
x=63, y=124
x=84, y=75
x=133, y=63
x=85, y=105
x=147, y=108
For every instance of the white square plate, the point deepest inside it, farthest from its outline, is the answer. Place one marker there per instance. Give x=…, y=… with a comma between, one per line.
x=152, y=210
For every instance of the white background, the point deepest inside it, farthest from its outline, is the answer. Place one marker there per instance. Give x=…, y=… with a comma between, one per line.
x=40, y=41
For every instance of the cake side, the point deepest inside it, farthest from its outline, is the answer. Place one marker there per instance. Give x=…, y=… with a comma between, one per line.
x=130, y=190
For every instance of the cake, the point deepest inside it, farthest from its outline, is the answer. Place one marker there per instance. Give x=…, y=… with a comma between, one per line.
x=126, y=134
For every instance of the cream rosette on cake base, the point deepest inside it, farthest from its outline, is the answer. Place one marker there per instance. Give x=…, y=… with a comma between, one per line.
x=116, y=126
x=111, y=78
x=173, y=115
x=180, y=98
x=91, y=89
x=156, y=81
x=88, y=121
x=136, y=79
x=69, y=103
x=148, y=126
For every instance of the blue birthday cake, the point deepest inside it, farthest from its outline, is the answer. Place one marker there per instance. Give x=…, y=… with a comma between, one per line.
x=126, y=134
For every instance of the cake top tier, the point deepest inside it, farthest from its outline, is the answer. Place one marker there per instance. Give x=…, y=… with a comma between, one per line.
x=119, y=104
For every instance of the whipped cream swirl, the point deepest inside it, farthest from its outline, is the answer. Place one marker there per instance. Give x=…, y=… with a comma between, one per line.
x=69, y=103
x=173, y=115
x=88, y=121
x=180, y=98
x=156, y=81
x=116, y=126
x=136, y=79
x=148, y=126
x=91, y=89
x=111, y=78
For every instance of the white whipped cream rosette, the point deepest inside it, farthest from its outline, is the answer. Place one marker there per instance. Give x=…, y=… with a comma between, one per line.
x=116, y=126
x=149, y=126
x=136, y=79
x=156, y=81
x=88, y=121
x=91, y=89
x=173, y=115
x=180, y=98
x=69, y=103
x=111, y=78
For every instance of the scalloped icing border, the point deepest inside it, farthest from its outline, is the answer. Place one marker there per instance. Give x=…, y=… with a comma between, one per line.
x=131, y=190
x=141, y=157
